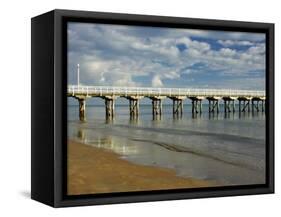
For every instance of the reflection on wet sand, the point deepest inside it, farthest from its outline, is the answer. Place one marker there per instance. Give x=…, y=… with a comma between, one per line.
x=229, y=115
x=106, y=142
x=134, y=120
x=196, y=115
x=213, y=116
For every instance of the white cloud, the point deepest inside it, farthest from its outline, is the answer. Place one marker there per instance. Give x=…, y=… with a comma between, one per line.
x=156, y=81
x=258, y=49
x=229, y=43
x=227, y=52
x=218, y=35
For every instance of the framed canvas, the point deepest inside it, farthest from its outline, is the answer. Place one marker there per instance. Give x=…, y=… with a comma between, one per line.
x=130, y=108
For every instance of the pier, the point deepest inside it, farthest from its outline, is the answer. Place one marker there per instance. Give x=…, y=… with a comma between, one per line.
x=248, y=100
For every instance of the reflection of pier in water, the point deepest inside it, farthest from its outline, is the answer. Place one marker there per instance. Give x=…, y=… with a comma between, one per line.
x=248, y=101
x=106, y=142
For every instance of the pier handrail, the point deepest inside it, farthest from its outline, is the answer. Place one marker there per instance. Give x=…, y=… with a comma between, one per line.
x=152, y=91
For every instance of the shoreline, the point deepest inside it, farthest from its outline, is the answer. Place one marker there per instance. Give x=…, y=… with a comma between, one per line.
x=94, y=170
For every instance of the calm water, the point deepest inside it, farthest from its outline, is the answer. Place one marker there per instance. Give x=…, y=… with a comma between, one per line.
x=227, y=149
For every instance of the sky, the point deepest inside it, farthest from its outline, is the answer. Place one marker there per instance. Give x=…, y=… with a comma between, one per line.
x=120, y=55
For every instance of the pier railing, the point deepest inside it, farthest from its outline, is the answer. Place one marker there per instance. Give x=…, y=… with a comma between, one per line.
x=168, y=92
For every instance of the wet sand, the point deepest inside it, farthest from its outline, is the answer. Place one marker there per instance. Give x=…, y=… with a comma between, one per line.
x=94, y=170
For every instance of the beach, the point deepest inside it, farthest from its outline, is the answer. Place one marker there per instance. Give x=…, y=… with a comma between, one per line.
x=145, y=154
x=94, y=170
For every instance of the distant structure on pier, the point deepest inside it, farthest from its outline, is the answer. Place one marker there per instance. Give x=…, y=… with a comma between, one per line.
x=248, y=100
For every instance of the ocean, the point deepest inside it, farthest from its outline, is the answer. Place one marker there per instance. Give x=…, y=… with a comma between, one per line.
x=225, y=149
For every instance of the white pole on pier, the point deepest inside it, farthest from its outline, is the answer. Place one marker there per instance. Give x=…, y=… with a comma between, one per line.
x=78, y=74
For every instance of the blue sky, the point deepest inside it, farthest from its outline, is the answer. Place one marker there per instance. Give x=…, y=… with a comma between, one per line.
x=119, y=55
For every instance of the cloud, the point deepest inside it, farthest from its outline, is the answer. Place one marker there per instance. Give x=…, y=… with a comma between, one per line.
x=228, y=43
x=156, y=81
x=227, y=52
x=119, y=55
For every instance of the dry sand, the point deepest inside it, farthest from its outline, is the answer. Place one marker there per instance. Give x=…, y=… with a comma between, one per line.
x=94, y=170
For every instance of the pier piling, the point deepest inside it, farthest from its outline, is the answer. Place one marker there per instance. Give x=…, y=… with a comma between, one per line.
x=196, y=104
x=214, y=105
x=178, y=106
x=263, y=105
x=109, y=107
x=134, y=105
x=244, y=104
x=229, y=104
x=82, y=108
x=157, y=107
x=258, y=104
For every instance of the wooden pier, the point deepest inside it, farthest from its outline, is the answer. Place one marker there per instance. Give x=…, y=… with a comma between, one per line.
x=248, y=100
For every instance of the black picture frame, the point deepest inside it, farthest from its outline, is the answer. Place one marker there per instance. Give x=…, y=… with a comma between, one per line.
x=49, y=105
